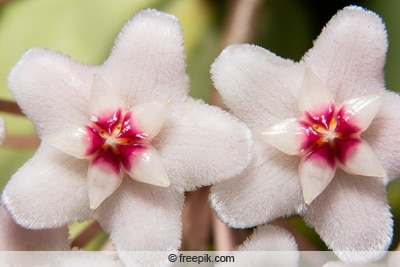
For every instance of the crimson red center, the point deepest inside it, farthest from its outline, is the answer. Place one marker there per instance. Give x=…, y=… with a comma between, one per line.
x=114, y=139
x=329, y=135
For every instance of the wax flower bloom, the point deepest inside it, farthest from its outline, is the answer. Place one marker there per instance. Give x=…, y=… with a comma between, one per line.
x=121, y=142
x=326, y=136
x=117, y=142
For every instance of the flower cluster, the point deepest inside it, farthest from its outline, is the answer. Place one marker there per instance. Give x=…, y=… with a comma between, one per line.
x=122, y=142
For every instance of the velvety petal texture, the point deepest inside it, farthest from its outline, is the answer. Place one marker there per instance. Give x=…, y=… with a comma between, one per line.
x=48, y=191
x=353, y=218
x=16, y=238
x=139, y=224
x=122, y=140
x=268, y=246
x=342, y=73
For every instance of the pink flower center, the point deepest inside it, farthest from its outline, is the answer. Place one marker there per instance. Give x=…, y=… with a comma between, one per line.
x=114, y=139
x=330, y=135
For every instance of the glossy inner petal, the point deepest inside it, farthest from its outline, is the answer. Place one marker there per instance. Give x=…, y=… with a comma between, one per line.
x=316, y=171
x=116, y=141
x=314, y=94
x=327, y=136
x=116, y=145
x=103, y=179
x=102, y=97
x=285, y=136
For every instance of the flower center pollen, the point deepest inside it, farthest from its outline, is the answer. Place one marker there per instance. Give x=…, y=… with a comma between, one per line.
x=329, y=135
x=114, y=138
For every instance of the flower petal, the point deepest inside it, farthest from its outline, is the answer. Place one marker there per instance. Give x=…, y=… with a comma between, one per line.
x=73, y=141
x=147, y=62
x=350, y=54
x=61, y=84
x=194, y=142
x=270, y=238
x=103, y=99
x=150, y=117
x=248, y=200
x=314, y=95
x=358, y=210
x=15, y=238
x=245, y=74
x=363, y=161
x=146, y=166
x=384, y=133
x=358, y=112
x=142, y=217
x=103, y=178
x=316, y=172
x=48, y=191
x=286, y=136
x=268, y=246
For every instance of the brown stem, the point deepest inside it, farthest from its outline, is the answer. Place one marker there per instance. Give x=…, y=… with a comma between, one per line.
x=241, y=25
x=10, y=107
x=21, y=142
x=242, y=22
x=196, y=221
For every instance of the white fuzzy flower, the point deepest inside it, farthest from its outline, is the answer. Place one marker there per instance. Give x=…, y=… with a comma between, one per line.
x=121, y=141
x=336, y=128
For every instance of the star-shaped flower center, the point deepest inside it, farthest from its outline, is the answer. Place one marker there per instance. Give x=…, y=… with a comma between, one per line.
x=116, y=141
x=327, y=136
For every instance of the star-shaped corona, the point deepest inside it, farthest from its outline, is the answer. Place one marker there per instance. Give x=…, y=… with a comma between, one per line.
x=327, y=136
x=116, y=141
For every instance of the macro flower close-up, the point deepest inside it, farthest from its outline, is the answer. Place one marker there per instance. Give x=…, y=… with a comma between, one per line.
x=326, y=136
x=122, y=141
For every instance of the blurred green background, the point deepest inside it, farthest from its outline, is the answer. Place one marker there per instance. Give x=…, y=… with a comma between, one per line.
x=85, y=30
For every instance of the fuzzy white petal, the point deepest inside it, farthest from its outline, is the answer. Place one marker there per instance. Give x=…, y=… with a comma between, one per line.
x=58, y=85
x=248, y=200
x=103, y=99
x=150, y=117
x=314, y=95
x=147, y=62
x=142, y=217
x=73, y=141
x=16, y=238
x=48, y=191
x=268, y=246
x=315, y=175
x=102, y=181
x=285, y=136
x=245, y=74
x=350, y=54
x=149, y=168
x=270, y=238
x=384, y=133
x=194, y=147
x=358, y=210
x=361, y=110
x=363, y=161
